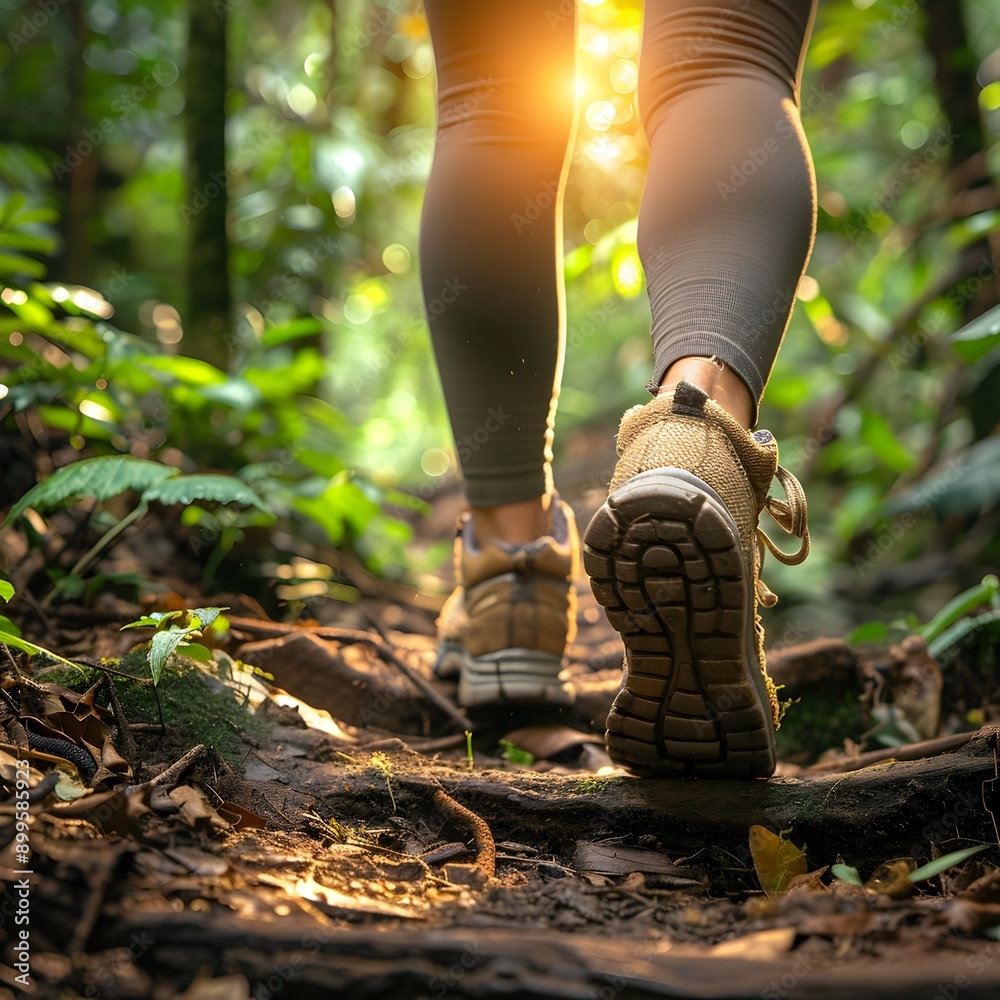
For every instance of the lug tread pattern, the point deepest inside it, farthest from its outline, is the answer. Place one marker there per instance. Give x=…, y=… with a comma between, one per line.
x=666, y=562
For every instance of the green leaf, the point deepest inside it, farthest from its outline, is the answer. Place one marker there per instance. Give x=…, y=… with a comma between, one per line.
x=27, y=241
x=187, y=371
x=515, y=754
x=32, y=650
x=196, y=651
x=99, y=478
x=71, y=587
x=7, y=627
x=205, y=486
x=17, y=264
x=979, y=337
x=945, y=862
x=868, y=632
x=207, y=615
x=846, y=874
x=145, y=622
x=6, y=590
x=11, y=207
x=292, y=330
x=878, y=435
x=36, y=215
x=160, y=647
x=955, y=635
x=239, y=393
x=984, y=593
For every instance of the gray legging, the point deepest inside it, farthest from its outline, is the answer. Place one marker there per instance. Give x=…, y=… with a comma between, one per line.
x=725, y=228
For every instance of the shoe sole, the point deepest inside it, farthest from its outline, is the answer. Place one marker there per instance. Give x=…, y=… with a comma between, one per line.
x=665, y=560
x=513, y=677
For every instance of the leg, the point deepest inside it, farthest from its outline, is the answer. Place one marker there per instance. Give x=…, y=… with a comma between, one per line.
x=728, y=217
x=492, y=229
x=725, y=229
x=492, y=233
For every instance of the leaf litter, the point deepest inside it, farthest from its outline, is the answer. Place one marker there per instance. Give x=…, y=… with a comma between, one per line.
x=376, y=821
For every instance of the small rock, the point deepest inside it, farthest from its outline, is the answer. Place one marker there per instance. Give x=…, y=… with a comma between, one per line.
x=547, y=870
x=470, y=875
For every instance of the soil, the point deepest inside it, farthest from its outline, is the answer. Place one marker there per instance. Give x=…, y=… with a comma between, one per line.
x=304, y=817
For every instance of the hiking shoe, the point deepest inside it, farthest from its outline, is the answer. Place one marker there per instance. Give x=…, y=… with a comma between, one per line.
x=505, y=628
x=674, y=557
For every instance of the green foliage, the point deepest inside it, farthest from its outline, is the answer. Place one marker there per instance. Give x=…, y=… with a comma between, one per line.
x=883, y=397
x=98, y=478
x=514, y=754
x=946, y=861
x=846, y=874
x=175, y=631
x=10, y=635
x=850, y=875
x=988, y=592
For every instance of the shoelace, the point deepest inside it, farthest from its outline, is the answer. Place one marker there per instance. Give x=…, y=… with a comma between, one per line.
x=791, y=515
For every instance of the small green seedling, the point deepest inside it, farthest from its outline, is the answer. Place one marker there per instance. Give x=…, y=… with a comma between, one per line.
x=383, y=765
x=175, y=630
x=850, y=875
x=514, y=754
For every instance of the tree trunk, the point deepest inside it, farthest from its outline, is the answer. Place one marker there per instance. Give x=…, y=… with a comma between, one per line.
x=207, y=319
x=957, y=88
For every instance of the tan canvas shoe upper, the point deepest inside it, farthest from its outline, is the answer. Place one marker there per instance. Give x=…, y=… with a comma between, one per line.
x=514, y=596
x=687, y=430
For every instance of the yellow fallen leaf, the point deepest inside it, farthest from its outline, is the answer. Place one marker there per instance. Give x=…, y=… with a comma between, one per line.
x=776, y=859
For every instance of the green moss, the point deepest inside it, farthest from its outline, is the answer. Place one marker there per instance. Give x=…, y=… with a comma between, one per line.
x=193, y=701
x=594, y=786
x=819, y=720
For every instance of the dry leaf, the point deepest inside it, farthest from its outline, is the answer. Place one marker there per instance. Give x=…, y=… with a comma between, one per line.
x=776, y=859
x=543, y=742
x=614, y=859
x=240, y=818
x=893, y=879
x=762, y=946
x=195, y=808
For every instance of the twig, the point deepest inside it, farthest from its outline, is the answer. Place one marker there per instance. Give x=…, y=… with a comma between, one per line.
x=486, y=856
x=174, y=773
x=422, y=747
x=128, y=740
x=914, y=751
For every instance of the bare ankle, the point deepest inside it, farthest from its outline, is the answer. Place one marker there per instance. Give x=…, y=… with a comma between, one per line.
x=720, y=382
x=515, y=523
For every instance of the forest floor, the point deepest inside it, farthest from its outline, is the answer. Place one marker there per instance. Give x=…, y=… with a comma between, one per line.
x=310, y=821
